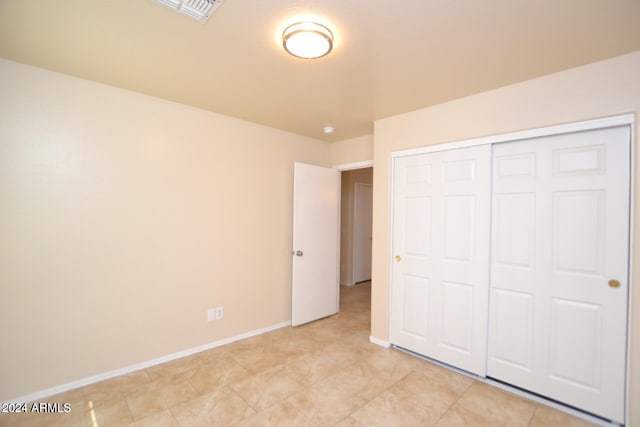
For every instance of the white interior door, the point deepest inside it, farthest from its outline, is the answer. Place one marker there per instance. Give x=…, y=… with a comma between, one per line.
x=362, y=217
x=316, y=243
x=559, y=273
x=439, y=289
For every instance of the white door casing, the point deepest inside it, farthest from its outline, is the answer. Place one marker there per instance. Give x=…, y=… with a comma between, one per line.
x=316, y=243
x=439, y=290
x=362, y=224
x=560, y=234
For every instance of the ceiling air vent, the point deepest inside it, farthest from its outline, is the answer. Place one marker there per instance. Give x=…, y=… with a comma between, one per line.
x=200, y=10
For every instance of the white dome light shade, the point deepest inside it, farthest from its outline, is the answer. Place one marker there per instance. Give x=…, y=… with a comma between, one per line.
x=307, y=40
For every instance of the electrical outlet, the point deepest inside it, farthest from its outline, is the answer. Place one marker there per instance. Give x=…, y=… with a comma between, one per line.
x=211, y=315
x=219, y=313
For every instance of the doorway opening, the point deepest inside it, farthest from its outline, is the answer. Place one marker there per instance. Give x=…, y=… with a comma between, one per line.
x=321, y=198
x=356, y=226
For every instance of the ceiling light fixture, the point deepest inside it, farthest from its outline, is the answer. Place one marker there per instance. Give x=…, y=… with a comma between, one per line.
x=328, y=129
x=307, y=40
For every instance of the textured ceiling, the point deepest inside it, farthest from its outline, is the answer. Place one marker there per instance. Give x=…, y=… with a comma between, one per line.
x=389, y=57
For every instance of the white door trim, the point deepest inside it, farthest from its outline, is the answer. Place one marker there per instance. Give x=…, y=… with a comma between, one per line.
x=625, y=119
x=356, y=165
x=618, y=120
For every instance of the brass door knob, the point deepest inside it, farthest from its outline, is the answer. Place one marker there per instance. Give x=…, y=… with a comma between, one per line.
x=614, y=283
x=398, y=258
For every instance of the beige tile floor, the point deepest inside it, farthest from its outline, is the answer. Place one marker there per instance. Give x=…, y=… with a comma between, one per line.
x=321, y=374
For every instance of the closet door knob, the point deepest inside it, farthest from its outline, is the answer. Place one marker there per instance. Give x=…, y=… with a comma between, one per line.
x=614, y=283
x=398, y=258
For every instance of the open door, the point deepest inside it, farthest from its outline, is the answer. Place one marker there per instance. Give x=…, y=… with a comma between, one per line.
x=316, y=243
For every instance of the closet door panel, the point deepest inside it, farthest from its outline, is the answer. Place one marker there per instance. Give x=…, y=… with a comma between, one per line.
x=515, y=230
x=457, y=317
x=413, y=236
x=439, y=290
x=513, y=329
x=415, y=296
x=558, y=318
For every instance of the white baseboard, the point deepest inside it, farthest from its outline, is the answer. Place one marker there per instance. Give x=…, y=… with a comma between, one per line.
x=381, y=343
x=139, y=366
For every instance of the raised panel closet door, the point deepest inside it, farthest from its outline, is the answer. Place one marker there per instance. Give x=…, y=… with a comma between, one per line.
x=560, y=235
x=439, y=289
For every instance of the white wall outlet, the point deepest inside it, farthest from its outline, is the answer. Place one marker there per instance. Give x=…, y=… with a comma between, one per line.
x=211, y=315
x=219, y=313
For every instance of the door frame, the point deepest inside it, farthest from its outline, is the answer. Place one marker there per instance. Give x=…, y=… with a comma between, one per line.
x=355, y=165
x=618, y=120
x=340, y=168
x=343, y=167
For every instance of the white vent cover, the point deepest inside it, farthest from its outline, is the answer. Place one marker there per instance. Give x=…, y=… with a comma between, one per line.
x=200, y=10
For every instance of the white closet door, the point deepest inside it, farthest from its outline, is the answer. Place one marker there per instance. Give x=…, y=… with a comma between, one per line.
x=441, y=255
x=558, y=319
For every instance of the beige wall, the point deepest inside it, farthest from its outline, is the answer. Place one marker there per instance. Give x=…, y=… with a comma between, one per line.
x=123, y=218
x=352, y=150
x=348, y=182
x=602, y=89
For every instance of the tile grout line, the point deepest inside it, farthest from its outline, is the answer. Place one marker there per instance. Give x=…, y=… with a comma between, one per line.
x=245, y=401
x=453, y=403
x=533, y=414
x=379, y=394
x=126, y=402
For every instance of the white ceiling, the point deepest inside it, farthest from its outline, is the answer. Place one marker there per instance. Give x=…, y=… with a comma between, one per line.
x=389, y=57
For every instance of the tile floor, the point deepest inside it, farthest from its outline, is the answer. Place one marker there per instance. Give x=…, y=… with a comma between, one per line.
x=322, y=374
